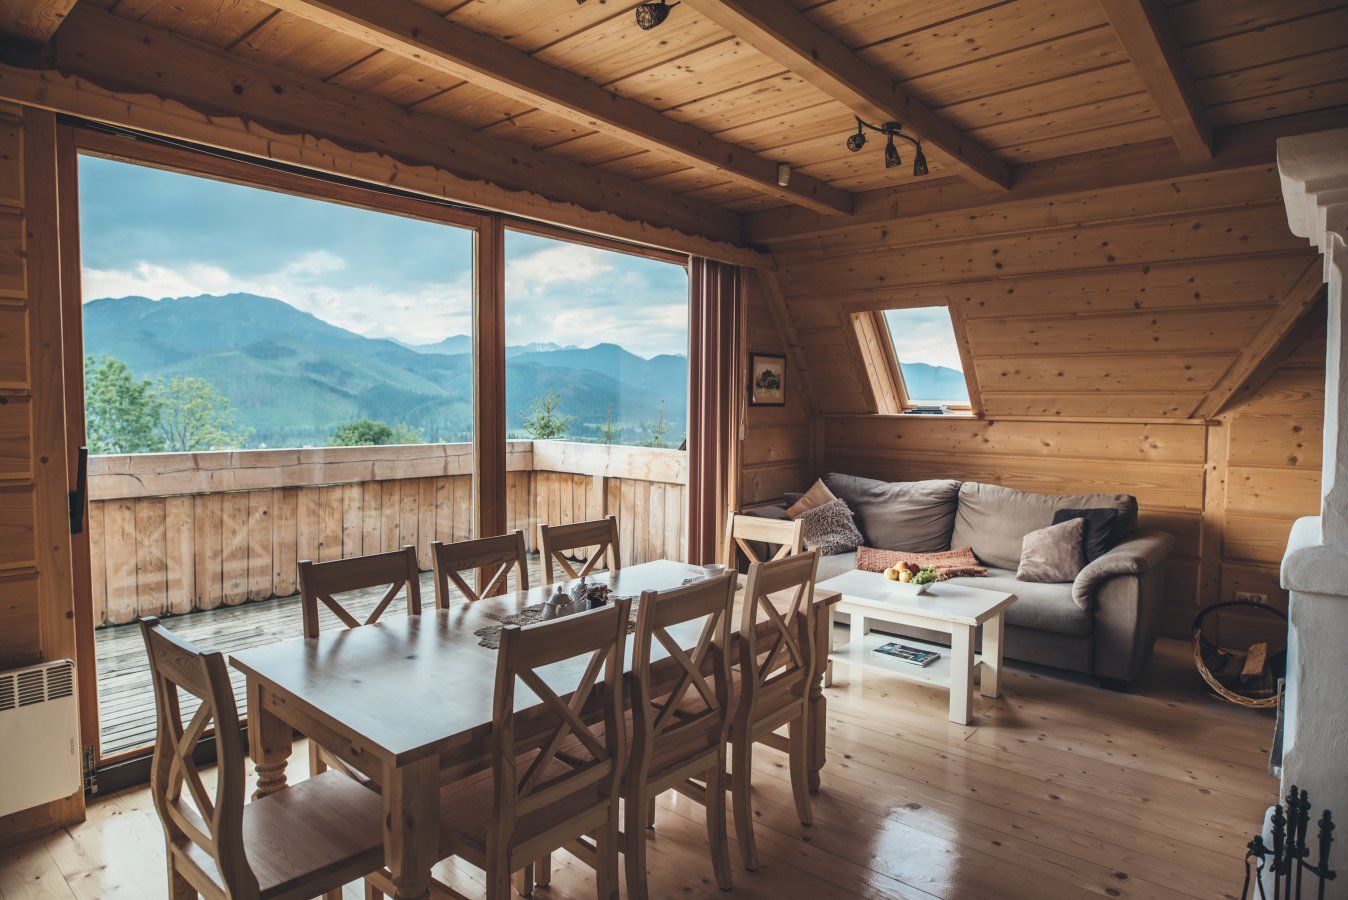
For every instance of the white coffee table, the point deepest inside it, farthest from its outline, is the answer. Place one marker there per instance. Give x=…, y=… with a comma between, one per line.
x=955, y=609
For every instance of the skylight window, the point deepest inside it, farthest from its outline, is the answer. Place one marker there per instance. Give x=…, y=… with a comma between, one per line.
x=928, y=355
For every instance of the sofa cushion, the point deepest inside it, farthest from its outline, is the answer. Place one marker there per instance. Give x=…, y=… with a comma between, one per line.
x=1102, y=526
x=816, y=496
x=837, y=564
x=1054, y=554
x=830, y=529
x=1047, y=607
x=994, y=520
x=900, y=515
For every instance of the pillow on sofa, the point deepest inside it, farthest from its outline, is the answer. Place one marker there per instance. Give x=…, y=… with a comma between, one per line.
x=830, y=529
x=817, y=495
x=994, y=519
x=1100, y=526
x=899, y=515
x=1054, y=554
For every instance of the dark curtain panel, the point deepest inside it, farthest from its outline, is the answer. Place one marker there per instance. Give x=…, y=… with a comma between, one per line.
x=713, y=403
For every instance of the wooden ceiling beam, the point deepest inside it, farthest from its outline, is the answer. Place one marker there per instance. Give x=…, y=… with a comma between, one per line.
x=31, y=23
x=414, y=32
x=110, y=69
x=776, y=29
x=1144, y=29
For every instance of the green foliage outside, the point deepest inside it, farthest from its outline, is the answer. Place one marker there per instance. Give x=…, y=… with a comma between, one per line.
x=542, y=423
x=608, y=432
x=368, y=432
x=193, y=416
x=121, y=413
x=657, y=430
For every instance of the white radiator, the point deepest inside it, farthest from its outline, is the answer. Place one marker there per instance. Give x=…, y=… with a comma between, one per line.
x=39, y=735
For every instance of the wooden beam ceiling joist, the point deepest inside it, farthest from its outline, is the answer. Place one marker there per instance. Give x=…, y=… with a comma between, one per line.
x=1143, y=27
x=31, y=23
x=112, y=70
x=776, y=29
x=414, y=32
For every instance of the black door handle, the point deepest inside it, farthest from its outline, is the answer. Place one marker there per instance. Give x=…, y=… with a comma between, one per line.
x=80, y=496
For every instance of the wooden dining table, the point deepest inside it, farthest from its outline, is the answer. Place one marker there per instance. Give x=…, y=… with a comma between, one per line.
x=407, y=702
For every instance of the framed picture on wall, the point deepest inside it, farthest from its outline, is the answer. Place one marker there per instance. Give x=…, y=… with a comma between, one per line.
x=767, y=379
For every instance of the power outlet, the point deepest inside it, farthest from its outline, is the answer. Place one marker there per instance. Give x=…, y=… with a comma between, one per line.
x=1252, y=597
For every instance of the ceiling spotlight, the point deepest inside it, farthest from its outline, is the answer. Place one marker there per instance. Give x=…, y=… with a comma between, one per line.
x=651, y=15
x=890, y=130
x=919, y=162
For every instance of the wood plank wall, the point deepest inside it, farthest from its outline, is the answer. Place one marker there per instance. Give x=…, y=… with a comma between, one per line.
x=173, y=533
x=36, y=605
x=1096, y=322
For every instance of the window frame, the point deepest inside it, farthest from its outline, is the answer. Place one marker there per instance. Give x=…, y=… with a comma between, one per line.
x=884, y=374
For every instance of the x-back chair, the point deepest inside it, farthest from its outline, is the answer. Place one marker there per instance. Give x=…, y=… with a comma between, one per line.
x=555, y=540
x=494, y=557
x=782, y=538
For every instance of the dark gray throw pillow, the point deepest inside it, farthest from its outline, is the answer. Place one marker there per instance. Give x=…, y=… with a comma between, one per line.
x=1102, y=529
x=829, y=528
x=916, y=516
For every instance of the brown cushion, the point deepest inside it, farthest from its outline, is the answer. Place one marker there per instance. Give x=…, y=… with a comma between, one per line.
x=817, y=495
x=1054, y=554
x=899, y=515
x=830, y=529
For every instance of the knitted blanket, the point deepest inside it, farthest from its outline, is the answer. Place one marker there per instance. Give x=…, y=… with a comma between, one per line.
x=956, y=563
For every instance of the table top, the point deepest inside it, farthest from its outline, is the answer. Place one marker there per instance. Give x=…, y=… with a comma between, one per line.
x=944, y=602
x=415, y=685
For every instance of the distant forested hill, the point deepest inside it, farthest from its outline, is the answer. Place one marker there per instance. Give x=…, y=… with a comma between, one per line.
x=926, y=382
x=292, y=377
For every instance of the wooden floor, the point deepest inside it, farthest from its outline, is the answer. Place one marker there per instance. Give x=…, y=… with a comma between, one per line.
x=1058, y=790
x=125, y=702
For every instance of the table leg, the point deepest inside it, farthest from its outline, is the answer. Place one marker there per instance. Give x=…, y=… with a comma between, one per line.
x=832, y=644
x=961, y=673
x=989, y=683
x=818, y=705
x=411, y=800
x=269, y=742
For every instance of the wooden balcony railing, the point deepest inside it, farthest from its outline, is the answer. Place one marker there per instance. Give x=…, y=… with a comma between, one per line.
x=175, y=532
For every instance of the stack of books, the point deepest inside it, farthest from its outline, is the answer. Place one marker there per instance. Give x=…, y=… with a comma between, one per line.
x=913, y=656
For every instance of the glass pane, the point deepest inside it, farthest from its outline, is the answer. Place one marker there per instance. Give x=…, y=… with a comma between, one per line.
x=929, y=358
x=597, y=360
x=221, y=316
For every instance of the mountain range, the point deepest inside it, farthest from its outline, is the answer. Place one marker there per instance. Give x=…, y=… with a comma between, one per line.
x=927, y=383
x=293, y=377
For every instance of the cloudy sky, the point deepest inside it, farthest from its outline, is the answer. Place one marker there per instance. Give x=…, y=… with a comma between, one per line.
x=924, y=335
x=160, y=234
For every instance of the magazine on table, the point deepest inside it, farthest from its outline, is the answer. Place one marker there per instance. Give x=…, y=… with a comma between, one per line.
x=913, y=656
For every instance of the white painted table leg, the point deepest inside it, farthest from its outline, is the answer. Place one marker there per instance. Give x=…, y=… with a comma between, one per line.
x=990, y=680
x=961, y=673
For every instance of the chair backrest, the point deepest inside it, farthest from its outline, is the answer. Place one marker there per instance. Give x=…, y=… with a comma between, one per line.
x=555, y=540
x=742, y=532
x=494, y=556
x=320, y=582
x=663, y=726
x=776, y=662
x=214, y=822
x=599, y=637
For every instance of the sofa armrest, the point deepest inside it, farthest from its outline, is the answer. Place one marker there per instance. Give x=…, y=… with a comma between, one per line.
x=1139, y=553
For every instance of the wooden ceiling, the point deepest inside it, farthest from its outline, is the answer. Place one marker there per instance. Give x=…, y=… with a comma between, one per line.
x=1025, y=80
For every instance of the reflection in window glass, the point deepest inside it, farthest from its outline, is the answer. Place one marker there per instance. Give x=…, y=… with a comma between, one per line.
x=929, y=358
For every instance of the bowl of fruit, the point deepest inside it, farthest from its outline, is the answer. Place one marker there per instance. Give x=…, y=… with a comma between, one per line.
x=911, y=578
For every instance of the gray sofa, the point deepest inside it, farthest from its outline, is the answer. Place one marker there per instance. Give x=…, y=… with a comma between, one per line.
x=1102, y=624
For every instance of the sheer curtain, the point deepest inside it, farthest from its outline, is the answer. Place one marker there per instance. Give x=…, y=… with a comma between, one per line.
x=715, y=403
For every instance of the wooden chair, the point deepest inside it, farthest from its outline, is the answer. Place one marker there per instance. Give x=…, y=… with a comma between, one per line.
x=307, y=840
x=493, y=556
x=741, y=532
x=321, y=582
x=554, y=780
x=774, y=684
x=680, y=735
x=555, y=540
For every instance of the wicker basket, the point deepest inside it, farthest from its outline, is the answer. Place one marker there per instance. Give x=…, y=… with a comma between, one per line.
x=1203, y=650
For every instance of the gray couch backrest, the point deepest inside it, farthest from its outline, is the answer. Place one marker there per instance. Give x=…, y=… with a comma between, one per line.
x=993, y=520
x=900, y=515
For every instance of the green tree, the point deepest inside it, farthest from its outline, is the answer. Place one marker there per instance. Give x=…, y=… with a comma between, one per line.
x=543, y=423
x=193, y=416
x=121, y=413
x=657, y=429
x=372, y=432
x=608, y=431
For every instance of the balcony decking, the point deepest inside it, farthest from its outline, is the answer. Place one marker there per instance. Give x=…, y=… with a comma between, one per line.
x=125, y=700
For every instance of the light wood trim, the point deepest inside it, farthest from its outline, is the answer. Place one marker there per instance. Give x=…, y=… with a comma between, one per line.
x=786, y=327
x=778, y=30
x=109, y=69
x=879, y=362
x=1295, y=304
x=1144, y=29
x=489, y=365
x=414, y=32
x=31, y=23
x=957, y=322
x=1217, y=446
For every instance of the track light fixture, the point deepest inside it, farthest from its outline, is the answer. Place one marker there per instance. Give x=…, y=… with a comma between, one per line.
x=890, y=130
x=650, y=15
